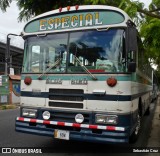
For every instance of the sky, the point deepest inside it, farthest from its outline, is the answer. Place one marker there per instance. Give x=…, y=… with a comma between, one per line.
x=9, y=21
x=9, y=24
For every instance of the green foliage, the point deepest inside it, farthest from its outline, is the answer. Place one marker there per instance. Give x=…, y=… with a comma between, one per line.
x=4, y=4
x=131, y=8
x=103, y=2
x=150, y=31
x=155, y=4
x=30, y=8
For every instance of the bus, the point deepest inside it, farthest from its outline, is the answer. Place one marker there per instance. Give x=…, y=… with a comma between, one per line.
x=84, y=76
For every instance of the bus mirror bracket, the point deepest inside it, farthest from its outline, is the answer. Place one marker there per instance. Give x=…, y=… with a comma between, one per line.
x=132, y=67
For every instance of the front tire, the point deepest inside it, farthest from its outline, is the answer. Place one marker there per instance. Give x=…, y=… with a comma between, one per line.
x=134, y=136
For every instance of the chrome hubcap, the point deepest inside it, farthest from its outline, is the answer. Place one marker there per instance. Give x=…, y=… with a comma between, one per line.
x=138, y=125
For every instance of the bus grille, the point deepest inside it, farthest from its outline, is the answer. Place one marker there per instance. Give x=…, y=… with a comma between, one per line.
x=66, y=94
x=66, y=91
x=66, y=104
x=66, y=98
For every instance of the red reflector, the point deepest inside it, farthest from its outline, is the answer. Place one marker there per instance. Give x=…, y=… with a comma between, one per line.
x=61, y=124
x=21, y=119
x=28, y=80
x=33, y=120
x=93, y=126
x=76, y=125
x=46, y=122
x=111, y=128
x=111, y=81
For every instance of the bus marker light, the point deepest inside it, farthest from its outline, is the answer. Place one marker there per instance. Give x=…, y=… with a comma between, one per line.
x=68, y=8
x=60, y=9
x=111, y=81
x=77, y=6
x=28, y=80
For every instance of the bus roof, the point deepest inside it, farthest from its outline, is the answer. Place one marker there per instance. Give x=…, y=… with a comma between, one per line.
x=77, y=18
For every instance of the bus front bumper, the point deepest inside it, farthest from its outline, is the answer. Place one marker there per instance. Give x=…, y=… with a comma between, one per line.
x=81, y=132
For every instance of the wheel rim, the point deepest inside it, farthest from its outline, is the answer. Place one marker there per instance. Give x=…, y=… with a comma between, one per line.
x=138, y=125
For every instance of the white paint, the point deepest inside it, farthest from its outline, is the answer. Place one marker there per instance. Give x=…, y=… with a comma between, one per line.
x=32, y=101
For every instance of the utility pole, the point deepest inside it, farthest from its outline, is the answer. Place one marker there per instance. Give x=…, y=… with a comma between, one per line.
x=8, y=59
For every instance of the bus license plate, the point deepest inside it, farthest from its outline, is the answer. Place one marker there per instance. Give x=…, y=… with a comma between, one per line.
x=60, y=134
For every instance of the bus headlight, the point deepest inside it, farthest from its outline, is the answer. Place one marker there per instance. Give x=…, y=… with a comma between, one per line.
x=29, y=113
x=79, y=118
x=106, y=119
x=46, y=115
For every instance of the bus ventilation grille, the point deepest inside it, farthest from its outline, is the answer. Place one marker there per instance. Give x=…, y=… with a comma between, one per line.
x=66, y=94
x=66, y=105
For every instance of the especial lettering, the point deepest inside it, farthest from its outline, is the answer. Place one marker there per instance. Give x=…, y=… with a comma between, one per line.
x=81, y=20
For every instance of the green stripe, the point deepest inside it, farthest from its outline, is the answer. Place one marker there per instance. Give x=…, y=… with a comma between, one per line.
x=69, y=77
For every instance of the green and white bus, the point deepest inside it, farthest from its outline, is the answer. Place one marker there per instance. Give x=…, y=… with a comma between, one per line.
x=83, y=76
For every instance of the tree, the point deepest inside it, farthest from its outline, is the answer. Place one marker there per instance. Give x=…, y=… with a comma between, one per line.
x=31, y=8
x=150, y=30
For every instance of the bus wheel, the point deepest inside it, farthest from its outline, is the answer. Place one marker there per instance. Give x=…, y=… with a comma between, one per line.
x=134, y=136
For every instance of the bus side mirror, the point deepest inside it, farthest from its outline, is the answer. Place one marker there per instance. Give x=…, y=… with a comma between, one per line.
x=132, y=67
x=132, y=39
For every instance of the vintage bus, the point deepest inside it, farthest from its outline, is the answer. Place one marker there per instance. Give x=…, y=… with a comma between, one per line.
x=83, y=76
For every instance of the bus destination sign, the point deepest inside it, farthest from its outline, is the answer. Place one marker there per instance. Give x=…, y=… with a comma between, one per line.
x=74, y=20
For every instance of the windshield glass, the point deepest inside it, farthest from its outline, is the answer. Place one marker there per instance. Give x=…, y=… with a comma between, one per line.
x=43, y=52
x=98, y=51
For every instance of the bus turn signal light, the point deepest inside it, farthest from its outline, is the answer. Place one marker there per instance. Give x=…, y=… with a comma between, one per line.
x=28, y=80
x=111, y=81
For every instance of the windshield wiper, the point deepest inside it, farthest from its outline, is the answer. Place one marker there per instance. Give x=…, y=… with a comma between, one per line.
x=54, y=65
x=85, y=69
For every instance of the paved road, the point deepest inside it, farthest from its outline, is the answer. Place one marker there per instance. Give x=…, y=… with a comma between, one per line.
x=10, y=138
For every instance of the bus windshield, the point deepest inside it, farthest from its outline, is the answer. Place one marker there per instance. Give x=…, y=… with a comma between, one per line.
x=98, y=51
